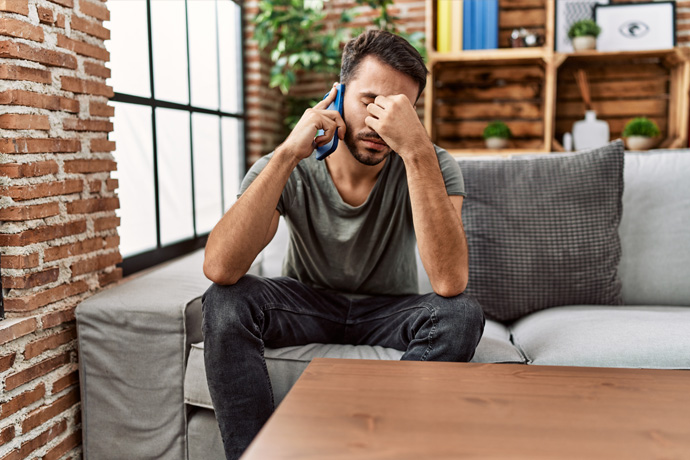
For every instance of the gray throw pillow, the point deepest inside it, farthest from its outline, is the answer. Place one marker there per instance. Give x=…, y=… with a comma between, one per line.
x=542, y=230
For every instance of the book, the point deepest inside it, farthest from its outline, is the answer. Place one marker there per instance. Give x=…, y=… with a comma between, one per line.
x=443, y=26
x=456, y=26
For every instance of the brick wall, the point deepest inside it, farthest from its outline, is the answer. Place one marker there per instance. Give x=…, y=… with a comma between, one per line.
x=58, y=235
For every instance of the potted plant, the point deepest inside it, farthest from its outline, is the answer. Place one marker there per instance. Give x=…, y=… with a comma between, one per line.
x=640, y=134
x=496, y=135
x=584, y=34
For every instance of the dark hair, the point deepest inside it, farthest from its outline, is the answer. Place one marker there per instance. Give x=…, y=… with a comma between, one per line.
x=390, y=49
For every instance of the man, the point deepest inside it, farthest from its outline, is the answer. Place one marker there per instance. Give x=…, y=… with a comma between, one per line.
x=350, y=269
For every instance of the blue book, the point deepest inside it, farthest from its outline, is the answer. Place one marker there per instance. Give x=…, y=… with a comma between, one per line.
x=492, y=24
x=478, y=24
x=467, y=23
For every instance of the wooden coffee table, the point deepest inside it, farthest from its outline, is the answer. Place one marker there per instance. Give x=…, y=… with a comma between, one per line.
x=365, y=409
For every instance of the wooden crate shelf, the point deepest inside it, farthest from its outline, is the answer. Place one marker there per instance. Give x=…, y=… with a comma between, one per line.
x=533, y=89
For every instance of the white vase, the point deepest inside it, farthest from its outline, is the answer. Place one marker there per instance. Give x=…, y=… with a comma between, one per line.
x=590, y=133
x=587, y=42
x=496, y=143
x=640, y=142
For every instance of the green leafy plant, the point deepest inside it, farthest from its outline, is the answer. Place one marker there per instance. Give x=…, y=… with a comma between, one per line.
x=641, y=126
x=497, y=129
x=584, y=28
x=296, y=34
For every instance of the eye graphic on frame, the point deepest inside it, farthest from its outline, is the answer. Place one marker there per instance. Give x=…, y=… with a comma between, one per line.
x=634, y=29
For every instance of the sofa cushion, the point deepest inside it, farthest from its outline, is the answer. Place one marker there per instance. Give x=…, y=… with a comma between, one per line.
x=285, y=365
x=542, y=230
x=653, y=337
x=655, y=228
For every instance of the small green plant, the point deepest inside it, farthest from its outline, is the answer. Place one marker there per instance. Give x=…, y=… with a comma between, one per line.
x=497, y=129
x=584, y=28
x=641, y=126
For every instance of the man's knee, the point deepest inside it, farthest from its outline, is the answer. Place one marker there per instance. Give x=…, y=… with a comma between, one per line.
x=227, y=306
x=461, y=323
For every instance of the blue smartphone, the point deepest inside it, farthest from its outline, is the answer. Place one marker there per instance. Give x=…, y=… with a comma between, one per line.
x=325, y=150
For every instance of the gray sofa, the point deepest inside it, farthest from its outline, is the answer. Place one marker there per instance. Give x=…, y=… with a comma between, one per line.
x=143, y=385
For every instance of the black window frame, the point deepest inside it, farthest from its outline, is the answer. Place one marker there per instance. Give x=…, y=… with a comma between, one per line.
x=163, y=253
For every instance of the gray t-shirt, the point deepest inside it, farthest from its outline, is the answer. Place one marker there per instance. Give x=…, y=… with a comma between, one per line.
x=364, y=250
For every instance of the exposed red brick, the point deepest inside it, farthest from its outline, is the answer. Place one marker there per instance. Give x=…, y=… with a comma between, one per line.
x=41, y=101
x=89, y=166
x=12, y=49
x=40, y=234
x=92, y=205
x=61, y=20
x=7, y=362
x=35, y=371
x=45, y=413
x=37, y=442
x=69, y=443
x=43, y=298
x=112, y=184
x=98, y=109
x=24, y=121
x=97, y=70
x=15, y=72
x=90, y=27
x=80, y=86
x=106, y=223
x=12, y=329
x=78, y=124
x=6, y=435
x=65, y=3
x=15, y=6
x=83, y=48
x=102, y=145
x=22, y=213
x=111, y=277
x=95, y=10
x=45, y=15
x=65, y=382
x=31, y=279
x=20, y=262
x=50, y=342
x=95, y=186
x=21, y=29
x=39, y=168
x=44, y=189
x=96, y=263
x=24, y=145
x=73, y=249
x=22, y=400
x=56, y=318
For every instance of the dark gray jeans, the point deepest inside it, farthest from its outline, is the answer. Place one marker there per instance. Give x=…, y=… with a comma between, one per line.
x=240, y=320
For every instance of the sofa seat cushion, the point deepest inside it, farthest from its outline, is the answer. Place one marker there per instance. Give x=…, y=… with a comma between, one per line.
x=285, y=365
x=653, y=337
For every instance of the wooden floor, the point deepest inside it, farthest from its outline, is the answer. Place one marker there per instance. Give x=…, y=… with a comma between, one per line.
x=365, y=409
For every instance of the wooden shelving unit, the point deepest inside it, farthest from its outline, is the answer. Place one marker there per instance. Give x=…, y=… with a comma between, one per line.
x=534, y=92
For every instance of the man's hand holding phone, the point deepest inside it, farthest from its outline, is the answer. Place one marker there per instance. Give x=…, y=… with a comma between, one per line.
x=303, y=139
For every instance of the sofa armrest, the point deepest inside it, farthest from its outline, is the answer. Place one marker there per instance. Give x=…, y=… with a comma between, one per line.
x=133, y=346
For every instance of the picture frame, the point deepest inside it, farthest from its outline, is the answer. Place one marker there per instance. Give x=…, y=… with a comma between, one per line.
x=636, y=26
x=567, y=13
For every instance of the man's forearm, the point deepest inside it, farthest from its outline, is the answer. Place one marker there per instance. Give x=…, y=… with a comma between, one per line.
x=243, y=231
x=438, y=225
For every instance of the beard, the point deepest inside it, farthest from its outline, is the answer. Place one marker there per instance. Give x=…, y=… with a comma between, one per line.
x=369, y=157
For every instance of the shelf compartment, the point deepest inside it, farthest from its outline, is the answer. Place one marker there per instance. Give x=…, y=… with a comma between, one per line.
x=466, y=98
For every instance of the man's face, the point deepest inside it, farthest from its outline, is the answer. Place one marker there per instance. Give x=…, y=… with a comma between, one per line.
x=373, y=78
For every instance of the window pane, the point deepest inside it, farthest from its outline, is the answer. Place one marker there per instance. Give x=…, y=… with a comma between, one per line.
x=229, y=37
x=134, y=155
x=207, y=186
x=174, y=175
x=203, y=53
x=128, y=46
x=169, y=28
x=233, y=158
